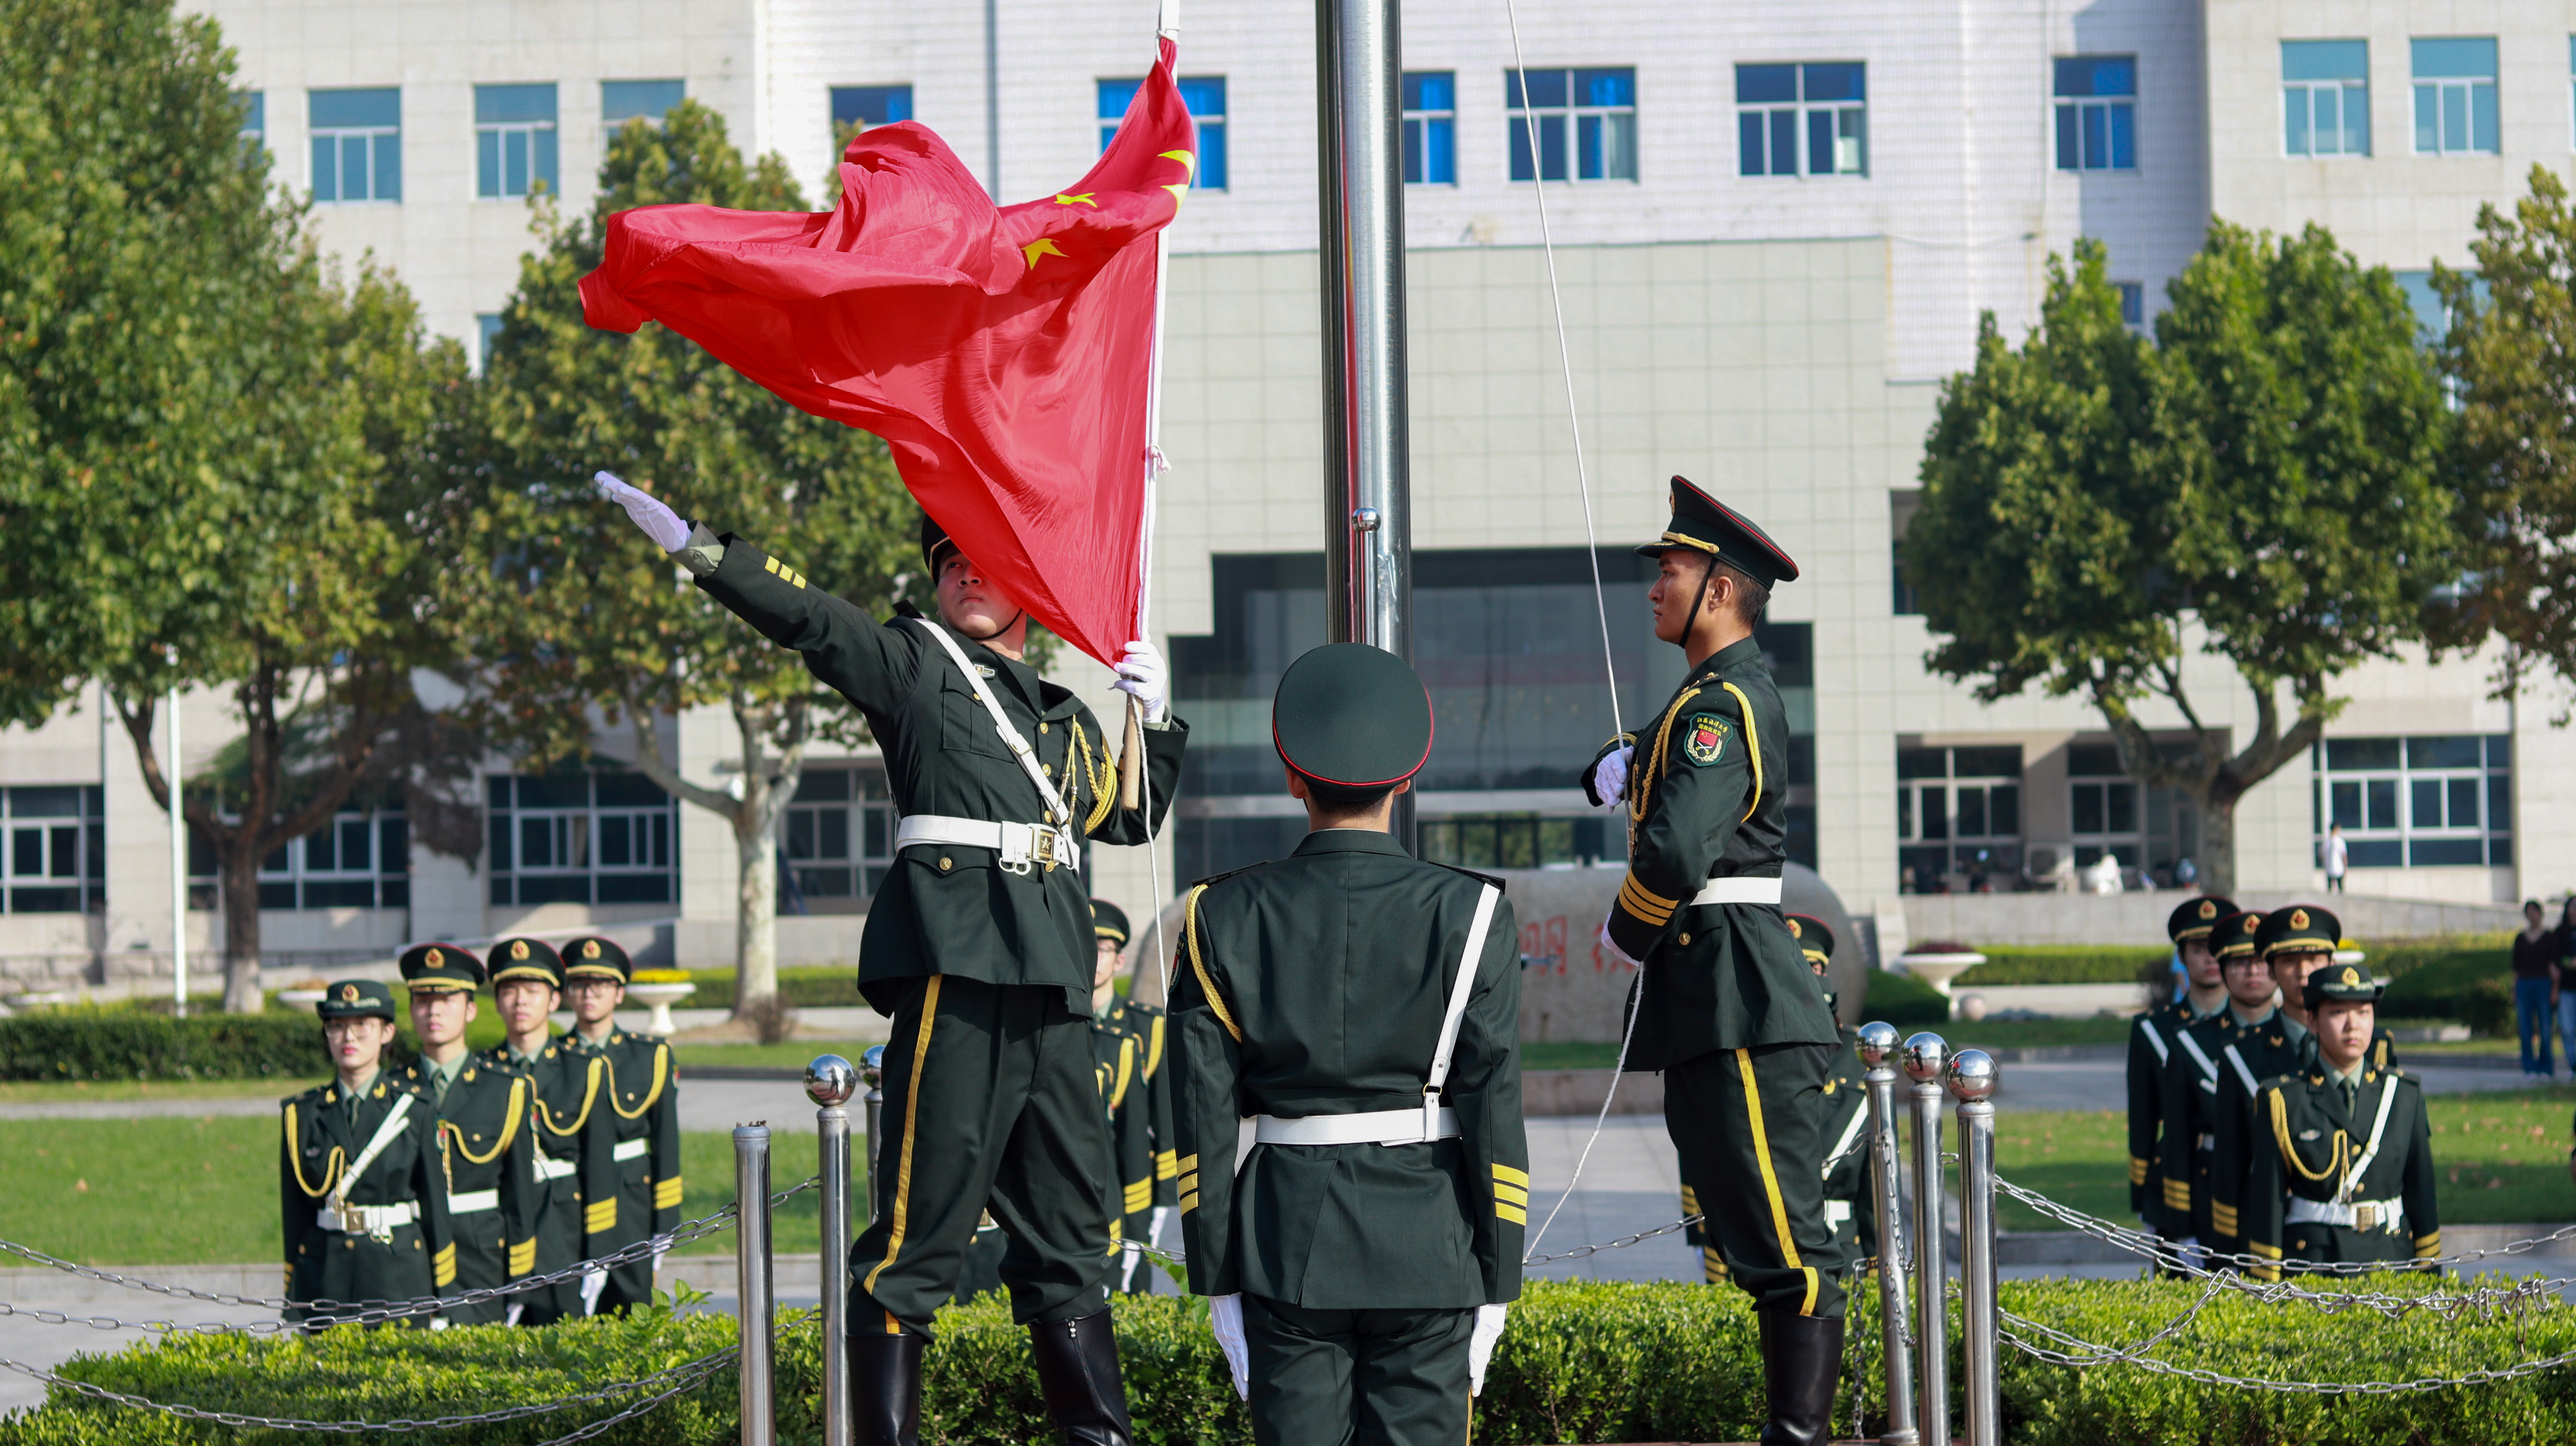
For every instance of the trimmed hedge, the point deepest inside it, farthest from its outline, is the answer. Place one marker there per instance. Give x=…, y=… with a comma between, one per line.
x=108, y=1042
x=1903, y=1000
x=2467, y=979
x=1582, y=1361
x=817, y=986
x=2059, y=964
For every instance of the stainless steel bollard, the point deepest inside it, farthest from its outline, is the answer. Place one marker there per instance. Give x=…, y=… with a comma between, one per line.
x=1972, y=1077
x=872, y=1071
x=1887, y=1184
x=752, y=1295
x=1924, y=1055
x=829, y=1082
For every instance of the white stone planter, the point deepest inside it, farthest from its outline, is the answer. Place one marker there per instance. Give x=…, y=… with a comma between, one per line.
x=660, y=997
x=1938, y=970
x=301, y=998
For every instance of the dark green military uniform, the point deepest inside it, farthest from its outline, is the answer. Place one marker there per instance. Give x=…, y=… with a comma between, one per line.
x=983, y=956
x=2342, y=1166
x=486, y=1146
x=1725, y=1006
x=571, y=1156
x=1117, y=1071
x=1313, y=994
x=1141, y=1120
x=377, y=1233
x=2188, y=1113
x=640, y=1195
x=2151, y=1048
x=1850, y=1205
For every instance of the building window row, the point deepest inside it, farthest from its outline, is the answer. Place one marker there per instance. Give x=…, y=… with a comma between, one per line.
x=57, y=849
x=839, y=839
x=356, y=134
x=361, y=859
x=2423, y=802
x=581, y=838
x=2325, y=96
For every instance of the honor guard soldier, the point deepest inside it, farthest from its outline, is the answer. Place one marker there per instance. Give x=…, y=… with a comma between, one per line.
x=1848, y=1202
x=1724, y=1005
x=486, y=1144
x=2151, y=1045
x=2265, y=1043
x=2302, y=952
x=2342, y=1159
x=979, y=945
x=571, y=1157
x=362, y=1194
x=2188, y=1112
x=1117, y=1068
x=1354, y=1178
x=641, y=1196
x=1141, y=1121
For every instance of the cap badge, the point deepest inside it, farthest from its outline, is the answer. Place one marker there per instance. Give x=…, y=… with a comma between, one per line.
x=2208, y=910
x=435, y=958
x=2298, y=918
x=519, y=949
x=1795, y=932
x=2351, y=975
x=348, y=994
x=2253, y=922
x=590, y=949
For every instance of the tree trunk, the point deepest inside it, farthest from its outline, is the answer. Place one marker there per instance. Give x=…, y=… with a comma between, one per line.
x=755, y=940
x=2218, y=842
x=241, y=931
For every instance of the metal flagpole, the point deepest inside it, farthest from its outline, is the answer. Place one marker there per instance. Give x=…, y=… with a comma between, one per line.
x=1368, y=528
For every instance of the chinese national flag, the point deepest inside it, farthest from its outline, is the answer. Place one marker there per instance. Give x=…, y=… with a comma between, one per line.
x=1005, y=354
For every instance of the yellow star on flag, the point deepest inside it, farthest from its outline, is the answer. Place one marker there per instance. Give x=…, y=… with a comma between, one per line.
x=1035, y=249
x=1187, y=158
x=1083, y=199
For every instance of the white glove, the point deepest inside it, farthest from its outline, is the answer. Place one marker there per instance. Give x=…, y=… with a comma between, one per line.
x=1480, y=1346
x=1143, y=676
x=440, y=1322
x=1154, y=1231
x=1609, y=780
x=1225, y=1317
x=1612, y=952
x=660, y=523
x=592, y=1283
x=517, y=1309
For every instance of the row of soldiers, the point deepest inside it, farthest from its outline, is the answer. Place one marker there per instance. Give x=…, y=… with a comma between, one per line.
x=2268, y=1120
x=461, y=1172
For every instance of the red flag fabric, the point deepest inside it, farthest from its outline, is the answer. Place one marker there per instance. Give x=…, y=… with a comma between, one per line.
x=1005, y=354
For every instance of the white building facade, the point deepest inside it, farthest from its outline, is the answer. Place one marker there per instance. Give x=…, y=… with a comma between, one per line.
x=1775, y=227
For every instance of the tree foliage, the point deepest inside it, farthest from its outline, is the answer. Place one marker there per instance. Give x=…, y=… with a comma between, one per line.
x=2510, y=354
x=2260, y=484
x=585, y=619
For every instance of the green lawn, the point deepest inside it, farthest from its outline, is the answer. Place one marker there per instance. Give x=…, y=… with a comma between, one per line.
x=169, y=1190
x=795, y=1055
x=47, y=1092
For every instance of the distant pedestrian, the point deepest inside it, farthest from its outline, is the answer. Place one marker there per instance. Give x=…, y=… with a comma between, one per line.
x=2338, y=858
x=2563, y=989
x=2536, y=951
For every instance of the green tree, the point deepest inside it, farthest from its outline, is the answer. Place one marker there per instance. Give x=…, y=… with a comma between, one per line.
x=2261, y=484
x=585, y=619
x=214, y=457
x=2510, y=355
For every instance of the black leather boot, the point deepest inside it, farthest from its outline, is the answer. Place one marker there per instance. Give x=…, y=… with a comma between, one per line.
x=1802, y=1361
x=1077, y=1363
x=885, y=1388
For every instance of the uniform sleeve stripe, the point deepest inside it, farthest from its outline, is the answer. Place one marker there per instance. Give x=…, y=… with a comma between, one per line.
x=1189, y=1202
x=1188, y=1184
x=1187, y=1164
x=1512, y=1213
x=1644, y=903
x=1514, y=1194
x=1166, y=1166
x=666, y=1193
x=1510, y=1176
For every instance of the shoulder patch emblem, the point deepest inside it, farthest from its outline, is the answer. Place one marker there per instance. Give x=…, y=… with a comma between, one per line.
x=1705, y=738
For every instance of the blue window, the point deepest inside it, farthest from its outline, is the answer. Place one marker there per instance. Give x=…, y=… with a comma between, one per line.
x=2097, y=112
x=357, y=144
x=621, y=101
x=487, y=330
x=1572, y=124
x=1810, y=120
x=857, y=107
x=2325, y=97
x=1205, y=97
x=514, y=140
x=2417, y=802
x=2133, y=304
x=1430, y=127
x=2455, y=96
x=254, y=116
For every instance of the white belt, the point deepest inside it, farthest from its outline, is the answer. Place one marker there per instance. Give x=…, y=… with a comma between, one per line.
x=549, y=1168
x=630, y=1150
x=2366, y=1215
x=1837, y=1213
x=380, y=1221
x=466, y=1202
x=1019, y=844
x=1377, y=1127
x=1737, y=891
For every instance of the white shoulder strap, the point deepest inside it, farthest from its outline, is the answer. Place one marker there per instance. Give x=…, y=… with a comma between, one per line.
x=1012, y=738
x=2191, y=1046
x=2242, y=1072
x=1850, y=1136
x=2155, y=1041
x=2378, y=1127
x=384, y=1136
x=1459, y=989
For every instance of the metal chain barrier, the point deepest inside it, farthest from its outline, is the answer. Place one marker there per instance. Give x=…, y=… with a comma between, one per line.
x=1623, y=1242
x=2081, y=1352
x=362, y=1312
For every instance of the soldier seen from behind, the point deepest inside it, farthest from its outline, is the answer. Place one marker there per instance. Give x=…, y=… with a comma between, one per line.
x=360, y=1188
x=1353, y=1174
x=485, y=1141
x=2342, y=1160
